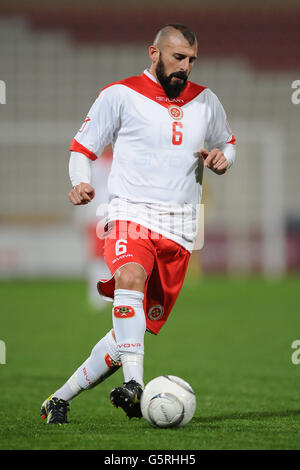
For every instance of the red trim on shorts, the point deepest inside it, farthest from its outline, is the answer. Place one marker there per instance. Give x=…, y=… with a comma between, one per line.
x=106, y=288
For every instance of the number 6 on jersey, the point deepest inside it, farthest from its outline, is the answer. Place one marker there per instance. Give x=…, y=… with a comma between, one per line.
x=177, y=135
x=121, y=247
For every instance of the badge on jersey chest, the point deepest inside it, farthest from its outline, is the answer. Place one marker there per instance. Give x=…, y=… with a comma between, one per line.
x=175, y=112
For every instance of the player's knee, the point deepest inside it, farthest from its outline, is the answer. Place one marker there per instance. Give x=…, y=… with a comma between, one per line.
x=131, y=277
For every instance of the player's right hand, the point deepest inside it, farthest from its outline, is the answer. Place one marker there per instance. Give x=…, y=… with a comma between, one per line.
x=81, y=194
x=215, y=160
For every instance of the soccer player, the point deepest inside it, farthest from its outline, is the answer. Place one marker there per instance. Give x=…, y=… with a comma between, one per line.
x=164, y=130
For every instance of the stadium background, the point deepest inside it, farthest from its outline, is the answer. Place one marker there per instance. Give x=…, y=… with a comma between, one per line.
x=54, y=59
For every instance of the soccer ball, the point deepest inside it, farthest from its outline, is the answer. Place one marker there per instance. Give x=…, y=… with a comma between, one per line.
x=168, y=401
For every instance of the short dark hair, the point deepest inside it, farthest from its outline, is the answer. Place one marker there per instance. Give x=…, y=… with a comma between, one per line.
x=186, y=32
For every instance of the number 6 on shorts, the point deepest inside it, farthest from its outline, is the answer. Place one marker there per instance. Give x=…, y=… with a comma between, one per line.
x=121, y=247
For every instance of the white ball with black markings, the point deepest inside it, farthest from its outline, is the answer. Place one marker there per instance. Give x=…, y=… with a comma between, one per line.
x=168, y=401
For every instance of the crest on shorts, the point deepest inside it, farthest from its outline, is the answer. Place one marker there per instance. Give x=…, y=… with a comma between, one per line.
x=175, y=112
x=124, y=311
x=155, y=312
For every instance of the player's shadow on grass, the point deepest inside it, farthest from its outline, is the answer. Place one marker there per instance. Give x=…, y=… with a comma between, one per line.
x=248, y=415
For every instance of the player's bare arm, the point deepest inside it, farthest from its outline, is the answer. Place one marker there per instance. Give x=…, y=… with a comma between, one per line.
x=81, y=194
x=215, y=160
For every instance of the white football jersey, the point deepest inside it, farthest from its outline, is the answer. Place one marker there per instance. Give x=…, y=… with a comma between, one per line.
x=155, y=179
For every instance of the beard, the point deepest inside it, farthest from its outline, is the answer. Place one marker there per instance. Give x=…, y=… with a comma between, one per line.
x=172, y=88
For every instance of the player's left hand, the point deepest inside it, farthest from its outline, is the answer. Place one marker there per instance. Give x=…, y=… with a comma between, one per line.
x=215, y=160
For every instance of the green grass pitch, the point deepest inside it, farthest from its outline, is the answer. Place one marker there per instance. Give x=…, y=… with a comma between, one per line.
x=230, y=339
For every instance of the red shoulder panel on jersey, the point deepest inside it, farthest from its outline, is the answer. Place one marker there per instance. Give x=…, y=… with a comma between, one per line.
x=77, y=147
x=154, y=91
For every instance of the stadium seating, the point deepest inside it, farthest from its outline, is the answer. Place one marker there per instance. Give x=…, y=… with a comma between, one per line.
x=54, y=71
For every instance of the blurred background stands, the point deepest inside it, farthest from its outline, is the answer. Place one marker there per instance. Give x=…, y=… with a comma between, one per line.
x=55, y=60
